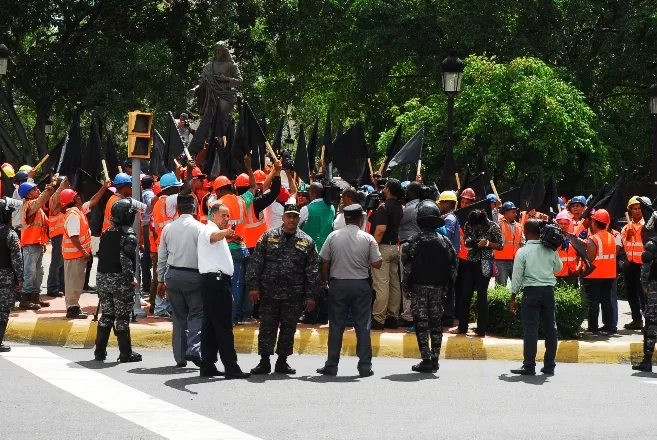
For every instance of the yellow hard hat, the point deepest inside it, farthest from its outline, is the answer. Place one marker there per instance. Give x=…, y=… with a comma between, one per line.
x=448, y=196
x=633, y=201
x=25, y=168
x=9, y=171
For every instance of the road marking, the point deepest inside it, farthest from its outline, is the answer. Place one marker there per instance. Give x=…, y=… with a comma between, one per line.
x=654, y=382
x=163, y=418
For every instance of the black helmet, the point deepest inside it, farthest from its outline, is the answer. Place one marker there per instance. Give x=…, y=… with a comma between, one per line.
x=7, y=207
x=428, y=215
x=123, y=212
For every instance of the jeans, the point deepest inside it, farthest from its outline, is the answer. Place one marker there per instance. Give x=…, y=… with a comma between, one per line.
x=242, y=306
x=56, y=271
x=32, y=268
x=538, y=305
x=145, y=261
x=504, y=271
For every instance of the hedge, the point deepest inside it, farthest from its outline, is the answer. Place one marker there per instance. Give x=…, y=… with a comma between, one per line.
x=501, y=322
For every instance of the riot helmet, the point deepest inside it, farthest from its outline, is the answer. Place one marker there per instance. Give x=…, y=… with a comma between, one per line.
x=428, y=215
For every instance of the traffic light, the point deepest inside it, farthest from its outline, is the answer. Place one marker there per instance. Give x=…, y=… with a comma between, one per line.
x=139, y=134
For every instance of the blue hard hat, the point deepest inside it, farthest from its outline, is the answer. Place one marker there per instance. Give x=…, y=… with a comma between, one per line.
x=561, y=202
x=21, y=177
x=367, y=188
x=578, y=199
x=507, y=206
x=25, y=188
x=121, y=179
x=492, y=198
x=168, y=180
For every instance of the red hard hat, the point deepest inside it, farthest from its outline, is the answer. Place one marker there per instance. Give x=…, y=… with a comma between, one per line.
x=157, y=188
x=260, y=176
x=284, y=195
x=220, y=182
x=242, y=180
x=602, y=216
x=196, y=172
x=67, y=196
x=468, y=193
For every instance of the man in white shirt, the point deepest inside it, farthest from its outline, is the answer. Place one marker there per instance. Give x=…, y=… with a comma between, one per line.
x=349, y=197
x=216, y=267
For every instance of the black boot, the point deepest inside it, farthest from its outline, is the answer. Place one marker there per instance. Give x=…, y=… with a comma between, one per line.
x=26, y=302
x=3, y=328
x=125, y=347
x=434, y=364
x=102, y=337
x=264, y=367
x=282, y=366
x=423, y=367
x=645, y=365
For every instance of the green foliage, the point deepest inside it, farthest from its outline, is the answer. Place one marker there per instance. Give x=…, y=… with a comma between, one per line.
x=501, y=322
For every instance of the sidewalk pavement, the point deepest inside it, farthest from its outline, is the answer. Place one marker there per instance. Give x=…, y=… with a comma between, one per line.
x=49, y=326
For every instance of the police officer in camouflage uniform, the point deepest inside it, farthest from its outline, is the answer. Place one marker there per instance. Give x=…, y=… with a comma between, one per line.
x=429, y=264
x=11, y=268
x=649, y=284
x=115, y=281
x=283, y=273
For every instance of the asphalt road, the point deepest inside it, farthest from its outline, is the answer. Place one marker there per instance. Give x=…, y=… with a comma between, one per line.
x=58, y=393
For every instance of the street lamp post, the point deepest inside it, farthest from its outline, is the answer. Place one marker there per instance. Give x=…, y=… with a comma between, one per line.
x=48, y=127
x=4, y=59
x=452, y=68
x=652, y=94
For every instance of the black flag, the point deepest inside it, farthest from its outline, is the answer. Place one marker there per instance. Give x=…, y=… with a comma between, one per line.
x=93, y=163
x=249, y=135
x=328, y=138
x=201, y=135
x=312, y=147
x=71, y=155
x=463, y=213
x=525, y=193
x=410, y=153
x=278, y=138
x=512, y=195
x=393, y=148
x=614, y=202
x=478, y=185
x=550, y=204
x=538, y=192
x=157, y=164
x=111, y=159
x=174, y=145
x=346, y=151
x=301, y=157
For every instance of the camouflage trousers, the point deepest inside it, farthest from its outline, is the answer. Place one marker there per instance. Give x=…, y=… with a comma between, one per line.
x=7, y=292
x=427, y=309
x=116, y=300
x=275, y=313
x=650, y=330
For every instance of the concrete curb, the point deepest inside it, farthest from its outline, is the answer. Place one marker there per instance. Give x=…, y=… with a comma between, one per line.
x=81, y=334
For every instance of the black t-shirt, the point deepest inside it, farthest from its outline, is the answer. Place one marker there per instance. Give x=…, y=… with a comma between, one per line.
x=388, y=213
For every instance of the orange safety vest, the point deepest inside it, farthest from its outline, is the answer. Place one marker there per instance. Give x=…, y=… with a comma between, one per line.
x=237, y=207
x=37, y=231
x=511, y=240
x=569, y=260
x=69, y=251
x=151, y=235
x=255, y=227
x=107, y=219
x=55, y=222
x=463, y=253
x=605, y=257
x=160, y=217
x=633, y=247
x=200, y=197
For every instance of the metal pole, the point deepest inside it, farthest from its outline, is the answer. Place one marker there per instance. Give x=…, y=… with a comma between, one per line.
x=138, y=312
x=654, y=153
x=450, y=122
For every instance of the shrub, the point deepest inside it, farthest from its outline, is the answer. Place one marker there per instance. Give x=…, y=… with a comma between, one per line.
x=501, y=322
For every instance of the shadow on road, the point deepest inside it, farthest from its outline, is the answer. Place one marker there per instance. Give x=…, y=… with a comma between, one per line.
x=532, y=380
x=95, y=365
x=329, y=379
x=162, y=371
x=182, y=383
x=262, y=378
x=410, y=377
x=644, y=374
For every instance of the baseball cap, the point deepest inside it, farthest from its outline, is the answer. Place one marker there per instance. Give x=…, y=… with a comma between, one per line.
x=290, y=208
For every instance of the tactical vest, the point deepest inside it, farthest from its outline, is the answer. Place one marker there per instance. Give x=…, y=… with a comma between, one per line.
x=653, y=268
x=429, y=262
x=109, y=251
x=320, y=222
x=5, y=252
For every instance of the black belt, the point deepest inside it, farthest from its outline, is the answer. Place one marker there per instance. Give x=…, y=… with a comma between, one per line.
x=391, y=243
x=218, y=275
x=184, y=269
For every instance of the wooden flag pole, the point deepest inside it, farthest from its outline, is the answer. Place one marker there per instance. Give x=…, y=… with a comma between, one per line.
x=369, y=162
x=492, y=185
x=321, y=160
x=107, y=177
x=458, y=181
x=45, y=158
x=175, y=161
x=223, y=138
x=419, y=172
x=120, y=169
x=189, y=157
x=382, y=165
x=627, y=217
x=270, y=150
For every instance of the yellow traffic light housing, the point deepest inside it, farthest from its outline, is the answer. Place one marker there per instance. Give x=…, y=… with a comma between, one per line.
x=139, y=134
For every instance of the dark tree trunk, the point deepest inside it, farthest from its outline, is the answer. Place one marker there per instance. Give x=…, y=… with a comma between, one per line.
x=9, y=148
x=43, y=109
x=7, y=104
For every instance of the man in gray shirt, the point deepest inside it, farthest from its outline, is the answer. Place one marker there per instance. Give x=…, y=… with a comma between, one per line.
x=347, y=255
x=179, y=277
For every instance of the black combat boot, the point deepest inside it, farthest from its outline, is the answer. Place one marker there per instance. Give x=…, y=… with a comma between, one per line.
x=264, y=367
x=645, y=365
x=102, y=337
x=423, y=367
x=434, y=364
x=125, y=347
x=3, y=328
x=282, y=366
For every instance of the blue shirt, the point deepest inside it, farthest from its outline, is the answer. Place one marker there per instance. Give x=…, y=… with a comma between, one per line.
x=452, y=227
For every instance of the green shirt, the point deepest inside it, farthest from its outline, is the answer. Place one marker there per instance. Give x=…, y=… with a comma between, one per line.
x=248, y=199
x=535, y=265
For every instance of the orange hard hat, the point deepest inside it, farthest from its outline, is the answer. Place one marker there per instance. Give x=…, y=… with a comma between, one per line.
x=220, y=181
x=602, y=216
x=196, y=172
x=67, y=196
x=260, y=176
x=242, y=180
x=468, y=193
x=157, y=188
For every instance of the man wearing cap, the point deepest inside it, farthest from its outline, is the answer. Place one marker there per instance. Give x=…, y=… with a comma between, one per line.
x=283, y=274
x=347, y=255
x=34, y=236
x=576, y=207
x=55, y=281
x=147, y=196
x=123, y=184
x=349, y=197
x=633, y=245
x=179, y=277
x=76, y=245
x=567, y=253
x=16, y=216
x=184, y=129
x=513, y=241
x=492, y=198
x=447, y=203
